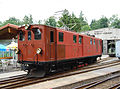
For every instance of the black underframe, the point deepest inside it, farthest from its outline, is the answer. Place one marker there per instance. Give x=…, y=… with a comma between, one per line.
x=58, y=61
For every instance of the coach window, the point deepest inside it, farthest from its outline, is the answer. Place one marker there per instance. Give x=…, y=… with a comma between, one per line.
x=91, y=41
x=29, y=35
x=37, y=34
x=94, y=41
x=21, y=36
x=61, y=35
x=74, y=38
x=80, y=39
x=51, y=36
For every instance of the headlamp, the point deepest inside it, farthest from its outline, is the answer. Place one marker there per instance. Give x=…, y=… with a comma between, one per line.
x=39, y=51
x=17, y=51
x=26, y=26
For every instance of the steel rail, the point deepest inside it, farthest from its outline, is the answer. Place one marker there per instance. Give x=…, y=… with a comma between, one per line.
x=116, y=86
x=57, y=75
x=95, y=83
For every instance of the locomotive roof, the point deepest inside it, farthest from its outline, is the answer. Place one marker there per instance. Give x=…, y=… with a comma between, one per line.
x=77, y=33
x=63, y=30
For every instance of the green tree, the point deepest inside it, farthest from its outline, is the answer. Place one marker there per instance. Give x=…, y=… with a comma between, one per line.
x=11, y=20
x=72, y=22
x=114, y=21
x=1, y=23
x=85, y=28
x=40, y=22
x=28, y=19
x=101, y=23
x=64, y=20
x=81, y=21
x=51, y=21
x=94, y=24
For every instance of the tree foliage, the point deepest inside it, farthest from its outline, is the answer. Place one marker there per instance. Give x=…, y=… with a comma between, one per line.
x=103, y=22
x=11, y=20
x=15, y=21
x=114, y=21
x=86, y=28
x=51, y=21
x=28, y=19
x=71, y=22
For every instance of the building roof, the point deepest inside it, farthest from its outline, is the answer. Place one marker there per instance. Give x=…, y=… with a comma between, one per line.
x=105, y=33
x=8, y=31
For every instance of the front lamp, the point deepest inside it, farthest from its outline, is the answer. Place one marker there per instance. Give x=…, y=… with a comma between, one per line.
x=26, y=26
x=17, y=51
x=39, y=51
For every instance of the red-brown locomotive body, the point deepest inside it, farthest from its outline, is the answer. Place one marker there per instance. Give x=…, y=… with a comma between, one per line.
x=45, y=49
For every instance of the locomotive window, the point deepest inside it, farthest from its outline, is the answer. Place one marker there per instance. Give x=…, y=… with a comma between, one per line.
x=91, y=41
x=80, y=39
x=29, y=35
x=74, y=38
x=94, y=41
x=51, y=36
x=37, y=34
x=21, y=36
x=61, y=35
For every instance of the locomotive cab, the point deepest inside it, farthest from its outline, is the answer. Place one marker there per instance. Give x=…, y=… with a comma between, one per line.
x=37, y=48
x=31, y=46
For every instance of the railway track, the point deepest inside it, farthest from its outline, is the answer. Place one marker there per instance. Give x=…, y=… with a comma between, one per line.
x=116, y=86
x=5, y=80
x=95, y=84
x=23, y=81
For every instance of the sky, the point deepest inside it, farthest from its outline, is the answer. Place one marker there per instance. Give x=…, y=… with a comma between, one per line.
x=42, y=9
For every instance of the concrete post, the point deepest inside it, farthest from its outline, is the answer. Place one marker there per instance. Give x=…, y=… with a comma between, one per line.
x=105, y=47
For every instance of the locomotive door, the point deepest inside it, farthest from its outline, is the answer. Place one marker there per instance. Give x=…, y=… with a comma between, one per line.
x=26, y=45
x=80, y=45
x=52, y=44
x=29, y=46
x=21, y=45
x=96, y=45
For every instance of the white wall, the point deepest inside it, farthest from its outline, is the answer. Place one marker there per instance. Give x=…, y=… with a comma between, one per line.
x=105, y=33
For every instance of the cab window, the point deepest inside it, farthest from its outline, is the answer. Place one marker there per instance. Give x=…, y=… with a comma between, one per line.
x=21, y=36
x=51, y=36
x=94, y=41
x=74, y=39
x=91, y=41
x=37, y=34
x=61, y=35
x=29, y=35
x=80, y=39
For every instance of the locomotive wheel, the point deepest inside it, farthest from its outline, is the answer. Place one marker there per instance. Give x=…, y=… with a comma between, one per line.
x=36, y=73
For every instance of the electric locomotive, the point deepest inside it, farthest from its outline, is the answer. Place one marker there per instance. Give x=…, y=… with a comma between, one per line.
x=43, y=49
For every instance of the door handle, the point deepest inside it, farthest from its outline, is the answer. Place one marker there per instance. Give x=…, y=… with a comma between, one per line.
x=32, y=45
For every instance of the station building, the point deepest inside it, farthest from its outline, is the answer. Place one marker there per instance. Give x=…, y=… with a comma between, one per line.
x=8, y=33
x=108, y=35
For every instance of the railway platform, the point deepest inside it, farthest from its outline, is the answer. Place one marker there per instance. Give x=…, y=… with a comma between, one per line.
x=52, y=84
x=11, y=74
